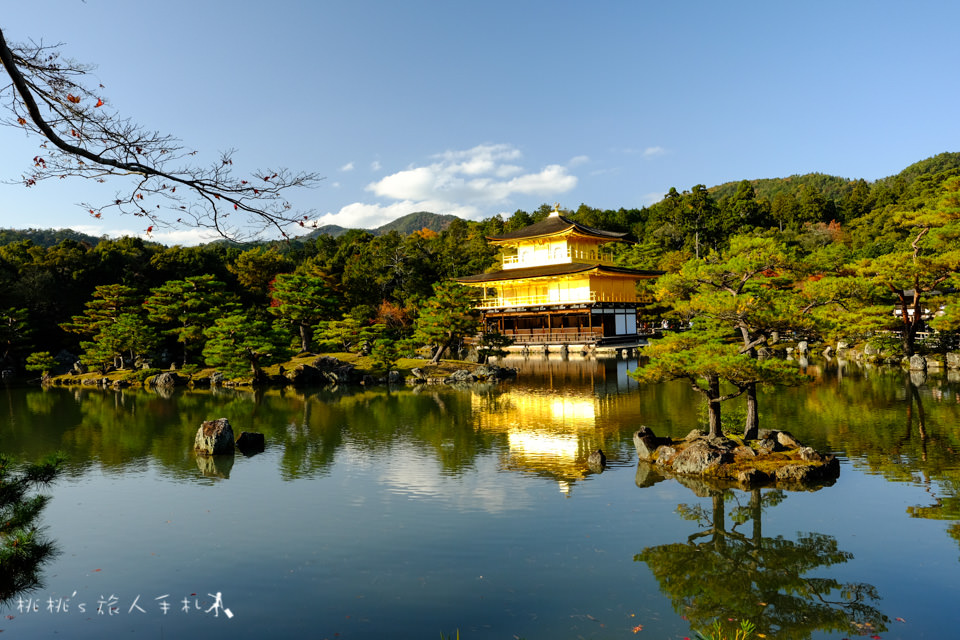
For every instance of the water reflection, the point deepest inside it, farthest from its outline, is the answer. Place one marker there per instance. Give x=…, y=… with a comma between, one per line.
x=730, y=569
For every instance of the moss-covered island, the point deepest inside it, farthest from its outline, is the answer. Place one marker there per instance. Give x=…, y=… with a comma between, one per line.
x=775, y=457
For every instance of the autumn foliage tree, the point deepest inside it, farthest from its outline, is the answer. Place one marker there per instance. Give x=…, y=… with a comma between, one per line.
x=50, y=97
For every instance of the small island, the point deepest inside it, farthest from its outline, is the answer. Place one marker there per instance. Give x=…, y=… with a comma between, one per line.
x=774, y=458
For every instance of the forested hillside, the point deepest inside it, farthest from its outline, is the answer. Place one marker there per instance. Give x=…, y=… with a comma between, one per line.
x=49, y=280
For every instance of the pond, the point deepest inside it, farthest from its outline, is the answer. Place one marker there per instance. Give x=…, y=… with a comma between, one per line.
x=410, y=513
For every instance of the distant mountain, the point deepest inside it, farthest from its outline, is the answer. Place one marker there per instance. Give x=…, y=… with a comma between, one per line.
x=45, y=237
x=404, y=226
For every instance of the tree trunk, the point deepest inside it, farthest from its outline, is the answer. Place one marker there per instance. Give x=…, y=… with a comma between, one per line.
x=304, y=338
x=439, y=352
x=908, y=338
x=751, y=426
x=713, y=405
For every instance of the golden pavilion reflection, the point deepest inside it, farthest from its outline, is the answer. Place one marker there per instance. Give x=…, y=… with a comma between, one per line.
x=546, y=434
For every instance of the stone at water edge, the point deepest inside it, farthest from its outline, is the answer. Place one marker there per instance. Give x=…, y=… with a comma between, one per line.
x=645, y=442
x=214, y=437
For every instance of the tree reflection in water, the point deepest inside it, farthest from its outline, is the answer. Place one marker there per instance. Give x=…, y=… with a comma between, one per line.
x=729, y=571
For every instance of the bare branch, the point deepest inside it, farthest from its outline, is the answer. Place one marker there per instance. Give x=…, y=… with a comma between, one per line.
x=83, y=137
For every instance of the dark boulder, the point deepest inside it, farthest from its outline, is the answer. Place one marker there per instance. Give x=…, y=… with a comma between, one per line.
x=251, y=442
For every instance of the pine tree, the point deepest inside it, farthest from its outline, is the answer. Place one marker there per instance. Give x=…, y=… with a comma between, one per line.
x=188, y=307
x=23, y=547
x=108, y=304
x=240, y=345
x=447, y=317
x=301, y=300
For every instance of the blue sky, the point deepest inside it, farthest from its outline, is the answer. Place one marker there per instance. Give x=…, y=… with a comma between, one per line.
x=479, y=108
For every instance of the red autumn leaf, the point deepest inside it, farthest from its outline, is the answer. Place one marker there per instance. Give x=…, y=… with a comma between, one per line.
x=899, y=619
x=149, y=229
x=234, y=206
x=21, y=121
x=173, y=190
x=216, y=196
x=243, y=182
x=72, y=98
x=140, y=196
x=95, y=570
x=99, y=103
x=255, y=192
x=92, y=211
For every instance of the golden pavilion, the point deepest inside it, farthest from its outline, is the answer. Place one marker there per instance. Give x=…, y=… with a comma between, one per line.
x=558, y=285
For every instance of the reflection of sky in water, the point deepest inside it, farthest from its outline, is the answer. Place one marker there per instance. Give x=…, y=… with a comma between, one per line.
x=415, y=514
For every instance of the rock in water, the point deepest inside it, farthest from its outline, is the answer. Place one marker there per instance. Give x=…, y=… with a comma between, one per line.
x=250, y=443
x=214, y=437
x=597, y=461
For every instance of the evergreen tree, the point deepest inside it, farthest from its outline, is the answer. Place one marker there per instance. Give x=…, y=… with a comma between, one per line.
x=14, y=331
x=301, y=300
x=744, y=290
x=238, y=344
x=108, y=304
x=447, y=317
x=931, y=263
x=347, y=334
x=23, y=547
x=188, y=307
x=129, y=336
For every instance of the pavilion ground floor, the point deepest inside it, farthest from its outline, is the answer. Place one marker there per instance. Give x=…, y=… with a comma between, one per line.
x=597, y=324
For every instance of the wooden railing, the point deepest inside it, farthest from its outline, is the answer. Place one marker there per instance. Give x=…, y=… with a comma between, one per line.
x=554, y=336
x=571, y=255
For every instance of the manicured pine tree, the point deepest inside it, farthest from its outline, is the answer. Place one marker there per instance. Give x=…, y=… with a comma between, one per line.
x=129, y=335
x=240, y=345
x=744, y=290
x=447, y=317
x=930, y=262
x=301, y=300
x=706, y=358
x=108, y=304
x=188, y=307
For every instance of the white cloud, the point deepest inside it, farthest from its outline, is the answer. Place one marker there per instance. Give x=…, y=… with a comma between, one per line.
x=470, y=183
x=169, y=237
x=649, y=152
x=375, y=165
x=347, y=167
x=576, y=161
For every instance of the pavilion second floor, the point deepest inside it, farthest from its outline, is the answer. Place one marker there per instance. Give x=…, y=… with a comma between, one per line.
x=572, y=284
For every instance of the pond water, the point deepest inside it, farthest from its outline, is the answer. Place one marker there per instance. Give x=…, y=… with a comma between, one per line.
x=402, y=513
